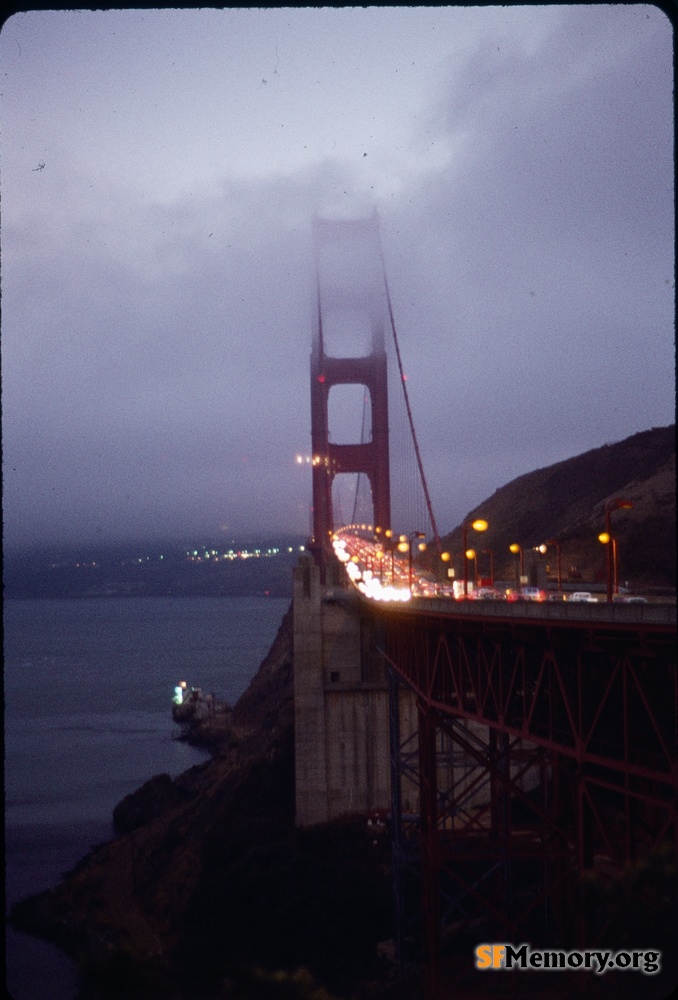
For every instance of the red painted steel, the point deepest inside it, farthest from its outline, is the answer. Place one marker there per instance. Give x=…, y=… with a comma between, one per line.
x=370, y=458
x=588, y=712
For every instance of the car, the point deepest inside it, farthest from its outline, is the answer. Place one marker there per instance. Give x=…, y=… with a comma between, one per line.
x=556, y=598
x=487, y=594
x=582, y=597
x=532, y=594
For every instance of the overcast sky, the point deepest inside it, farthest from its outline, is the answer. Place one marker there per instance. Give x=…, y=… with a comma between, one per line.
x=160, y=171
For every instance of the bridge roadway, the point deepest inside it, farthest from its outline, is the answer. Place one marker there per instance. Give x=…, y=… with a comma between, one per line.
x=596, y=682
x=654, y=616
x=390, y=578
x=580, y=698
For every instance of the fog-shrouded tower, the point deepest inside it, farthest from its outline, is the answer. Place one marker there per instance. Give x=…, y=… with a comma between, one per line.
x=351, y=311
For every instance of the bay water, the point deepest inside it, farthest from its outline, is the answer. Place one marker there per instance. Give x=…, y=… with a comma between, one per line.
x=88, y=687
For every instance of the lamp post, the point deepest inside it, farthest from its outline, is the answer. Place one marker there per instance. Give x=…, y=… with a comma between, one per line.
x=444, y=559
x=617, y=503
x=607, y=539
x=554, y=542
x=490, y=553
x=378, y=551
x=478, y=525
x=380, y=557
x=471, y=554
x=403, y=545
x=388, y=545
x=410, y=538
x=515, y=548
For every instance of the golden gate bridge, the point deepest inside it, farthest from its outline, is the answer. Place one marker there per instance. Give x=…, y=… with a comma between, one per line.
x=546, y=757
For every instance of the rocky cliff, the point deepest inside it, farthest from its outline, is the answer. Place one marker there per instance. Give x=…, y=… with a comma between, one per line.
x=209, y=891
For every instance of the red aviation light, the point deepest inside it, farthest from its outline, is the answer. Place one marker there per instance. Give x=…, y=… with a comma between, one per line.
x=321, y=378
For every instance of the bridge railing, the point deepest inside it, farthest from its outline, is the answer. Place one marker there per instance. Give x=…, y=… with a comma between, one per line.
x=652, y=614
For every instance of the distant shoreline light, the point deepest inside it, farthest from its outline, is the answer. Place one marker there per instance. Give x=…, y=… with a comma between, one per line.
x=213, y=555
x=195, y=555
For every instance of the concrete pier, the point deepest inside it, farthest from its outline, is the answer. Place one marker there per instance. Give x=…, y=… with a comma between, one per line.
x=341, y=705
x=341, y=717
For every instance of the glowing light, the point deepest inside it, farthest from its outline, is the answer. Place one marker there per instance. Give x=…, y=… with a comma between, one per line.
x=353, y=571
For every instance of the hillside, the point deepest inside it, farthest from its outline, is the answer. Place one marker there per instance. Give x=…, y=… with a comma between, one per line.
x=209, y=890
x=566, y=502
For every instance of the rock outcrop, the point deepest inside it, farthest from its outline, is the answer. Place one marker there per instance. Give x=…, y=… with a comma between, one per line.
x=154, y=798
x=210, y=881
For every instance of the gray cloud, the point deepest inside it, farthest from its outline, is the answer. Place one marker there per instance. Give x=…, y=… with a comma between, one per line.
x=158, y=276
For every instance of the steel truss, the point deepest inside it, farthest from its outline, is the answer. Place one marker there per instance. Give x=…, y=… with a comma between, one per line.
x=545, y=751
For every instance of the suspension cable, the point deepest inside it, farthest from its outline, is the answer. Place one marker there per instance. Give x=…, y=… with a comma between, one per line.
x=409, y=410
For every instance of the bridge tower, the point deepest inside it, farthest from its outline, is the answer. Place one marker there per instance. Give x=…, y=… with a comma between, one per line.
x=350, y=282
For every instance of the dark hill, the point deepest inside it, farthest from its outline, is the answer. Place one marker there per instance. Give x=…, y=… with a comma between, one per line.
x=213, y=890
x=566, y=502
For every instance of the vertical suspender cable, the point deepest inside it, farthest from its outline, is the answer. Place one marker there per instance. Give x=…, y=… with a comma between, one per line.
x=325, y=458
x=357, y=482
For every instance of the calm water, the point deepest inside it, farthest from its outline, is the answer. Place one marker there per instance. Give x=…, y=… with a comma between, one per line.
x=88, y=689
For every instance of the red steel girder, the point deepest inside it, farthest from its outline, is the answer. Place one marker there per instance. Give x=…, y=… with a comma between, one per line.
x=594, y=705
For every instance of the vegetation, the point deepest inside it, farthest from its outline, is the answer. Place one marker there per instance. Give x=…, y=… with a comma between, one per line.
x=566, y=502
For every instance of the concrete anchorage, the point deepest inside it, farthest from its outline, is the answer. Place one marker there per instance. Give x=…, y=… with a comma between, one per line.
x=341, y=704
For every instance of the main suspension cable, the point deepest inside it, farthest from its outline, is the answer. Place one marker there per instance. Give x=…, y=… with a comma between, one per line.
x=429, y=506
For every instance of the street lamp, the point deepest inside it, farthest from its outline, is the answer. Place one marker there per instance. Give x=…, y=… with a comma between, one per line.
x=606, y=539
x=477, y=525
x=411, y=537
x=515, y=548
x=553, y=541
x=617, y=503
x=402, y=545
x=471, y=554
x=379, y=552
x=388, y=544
x=490, y=553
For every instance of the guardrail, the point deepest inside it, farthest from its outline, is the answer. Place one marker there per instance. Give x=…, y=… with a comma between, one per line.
x=615, y=613
x=652, y=614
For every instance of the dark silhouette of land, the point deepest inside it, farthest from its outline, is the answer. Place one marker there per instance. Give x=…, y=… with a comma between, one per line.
x=210, y=892
x=566, y=502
